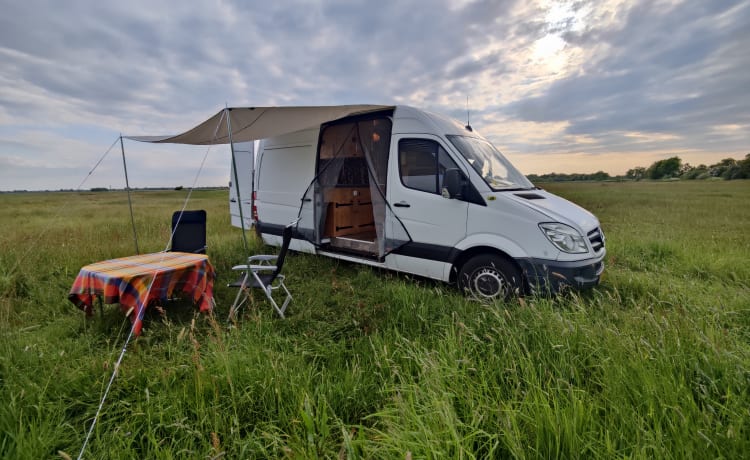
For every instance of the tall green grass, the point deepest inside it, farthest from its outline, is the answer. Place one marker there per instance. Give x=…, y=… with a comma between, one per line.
x=655, y=362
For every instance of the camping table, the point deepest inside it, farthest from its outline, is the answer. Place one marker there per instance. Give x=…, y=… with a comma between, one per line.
x=136, y=280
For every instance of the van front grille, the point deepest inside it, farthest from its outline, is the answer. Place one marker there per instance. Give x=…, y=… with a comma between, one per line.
x=596, y=237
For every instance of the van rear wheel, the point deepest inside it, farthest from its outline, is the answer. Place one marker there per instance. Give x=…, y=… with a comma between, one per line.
x=488, y=278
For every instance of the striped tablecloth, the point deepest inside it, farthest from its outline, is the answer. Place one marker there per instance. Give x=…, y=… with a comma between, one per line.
x=134, y=281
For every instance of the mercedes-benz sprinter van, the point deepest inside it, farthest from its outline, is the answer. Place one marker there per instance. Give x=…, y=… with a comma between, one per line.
x=417, y=192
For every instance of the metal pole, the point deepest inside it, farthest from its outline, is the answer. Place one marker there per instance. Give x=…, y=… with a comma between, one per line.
x=130, y=201
x=236, y=182
x=252, y=185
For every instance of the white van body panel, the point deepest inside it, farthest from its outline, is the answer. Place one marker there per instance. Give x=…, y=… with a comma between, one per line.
x=244, y=155
x=429, y=218
x=508, y=226
x=285, y=169
x=417, y=266
x=557, y=209
x=492, y=240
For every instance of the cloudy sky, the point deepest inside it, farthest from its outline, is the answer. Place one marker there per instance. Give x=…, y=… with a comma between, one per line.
x=563, y=86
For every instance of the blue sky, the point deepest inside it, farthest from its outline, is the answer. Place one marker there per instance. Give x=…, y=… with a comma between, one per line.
x=564, y=86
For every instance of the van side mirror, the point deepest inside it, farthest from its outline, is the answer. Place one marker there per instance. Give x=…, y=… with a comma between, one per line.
x=453, y=183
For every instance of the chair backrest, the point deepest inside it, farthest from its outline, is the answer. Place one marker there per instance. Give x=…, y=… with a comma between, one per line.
x=286, y=238
x=189, y=231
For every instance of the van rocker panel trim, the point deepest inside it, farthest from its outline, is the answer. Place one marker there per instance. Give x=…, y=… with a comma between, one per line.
x=427, y=251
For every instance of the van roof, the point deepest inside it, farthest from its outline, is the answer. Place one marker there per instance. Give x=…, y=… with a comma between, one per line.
x=412, y=120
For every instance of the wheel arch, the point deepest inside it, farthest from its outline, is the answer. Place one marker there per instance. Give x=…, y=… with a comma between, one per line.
x=472, y=252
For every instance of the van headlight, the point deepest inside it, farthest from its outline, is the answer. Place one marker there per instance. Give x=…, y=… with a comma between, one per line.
x=564, y=237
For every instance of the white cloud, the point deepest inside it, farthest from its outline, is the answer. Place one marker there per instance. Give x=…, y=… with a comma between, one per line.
x=581, y=79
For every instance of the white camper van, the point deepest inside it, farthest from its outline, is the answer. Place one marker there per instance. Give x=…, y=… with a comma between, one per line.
x=413, y=191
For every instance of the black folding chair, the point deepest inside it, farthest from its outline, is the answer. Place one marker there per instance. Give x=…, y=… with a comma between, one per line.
x=189, y=232
x=263, y=272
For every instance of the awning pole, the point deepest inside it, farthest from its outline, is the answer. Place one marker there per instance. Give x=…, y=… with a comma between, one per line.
x=252, y=185
x=130, y=201
x=236, y=182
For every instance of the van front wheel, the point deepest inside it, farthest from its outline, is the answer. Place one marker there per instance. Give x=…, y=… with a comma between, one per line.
x=488, y=278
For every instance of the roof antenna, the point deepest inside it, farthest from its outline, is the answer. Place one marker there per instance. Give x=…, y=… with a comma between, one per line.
x=468, y=124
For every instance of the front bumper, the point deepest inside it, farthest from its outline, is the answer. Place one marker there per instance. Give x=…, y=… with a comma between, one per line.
x=552, y=276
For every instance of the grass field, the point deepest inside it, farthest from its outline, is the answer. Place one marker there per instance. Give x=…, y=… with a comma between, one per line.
x=654, y=363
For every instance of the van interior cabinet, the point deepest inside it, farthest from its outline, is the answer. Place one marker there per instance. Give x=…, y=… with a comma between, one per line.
x=349, y=212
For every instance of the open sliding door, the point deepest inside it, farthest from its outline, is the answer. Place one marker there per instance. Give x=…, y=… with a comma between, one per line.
x=346, y=200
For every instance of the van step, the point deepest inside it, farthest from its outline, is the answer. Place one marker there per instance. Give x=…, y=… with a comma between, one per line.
x=362, y=243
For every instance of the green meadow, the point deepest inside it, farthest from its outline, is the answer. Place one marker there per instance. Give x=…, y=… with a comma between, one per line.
x=653, y=363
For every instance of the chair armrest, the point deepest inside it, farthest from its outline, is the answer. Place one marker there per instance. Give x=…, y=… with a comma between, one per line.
x=255, y=268
x=262, y=258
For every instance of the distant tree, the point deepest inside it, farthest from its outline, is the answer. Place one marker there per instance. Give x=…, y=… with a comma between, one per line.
x=731, y=169
x=728, y=168
x=723, y=168
x=636, y=173
x=599, y=175
x=698, y=172
x=664, y=169
x=744, y=166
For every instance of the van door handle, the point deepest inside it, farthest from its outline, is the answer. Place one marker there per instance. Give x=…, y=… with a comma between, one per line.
x=402, y=204
x=233, y=200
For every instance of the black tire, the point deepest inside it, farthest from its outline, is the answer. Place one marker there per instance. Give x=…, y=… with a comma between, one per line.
x=488, y=278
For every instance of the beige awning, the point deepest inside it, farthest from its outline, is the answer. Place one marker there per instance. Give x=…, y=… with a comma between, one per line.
x=252, y=123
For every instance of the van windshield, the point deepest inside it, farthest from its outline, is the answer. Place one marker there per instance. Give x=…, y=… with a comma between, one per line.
x=494, y=168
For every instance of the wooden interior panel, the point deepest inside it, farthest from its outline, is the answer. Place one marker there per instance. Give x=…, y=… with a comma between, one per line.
x=349, y=211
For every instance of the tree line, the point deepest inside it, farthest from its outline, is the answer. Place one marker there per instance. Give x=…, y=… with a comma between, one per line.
x=728, y=169
x=670, y=168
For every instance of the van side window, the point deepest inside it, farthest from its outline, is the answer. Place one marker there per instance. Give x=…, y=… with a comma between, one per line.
x=422, y=163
